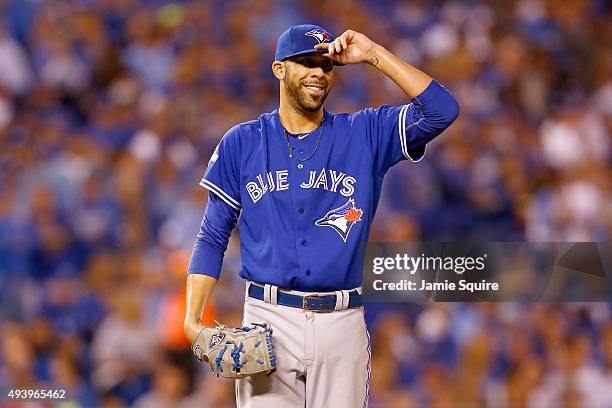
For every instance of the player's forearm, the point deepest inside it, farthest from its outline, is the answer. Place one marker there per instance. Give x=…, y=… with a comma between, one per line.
x=410, y=79
x=199, y=288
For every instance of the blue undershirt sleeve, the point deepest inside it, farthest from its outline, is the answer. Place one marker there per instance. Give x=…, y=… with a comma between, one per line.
x=211, y=242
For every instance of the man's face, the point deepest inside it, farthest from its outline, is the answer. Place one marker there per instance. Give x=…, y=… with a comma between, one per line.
x=308, y=80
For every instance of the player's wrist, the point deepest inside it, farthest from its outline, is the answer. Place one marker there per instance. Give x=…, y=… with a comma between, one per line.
x=192, y=329
x=374, y=55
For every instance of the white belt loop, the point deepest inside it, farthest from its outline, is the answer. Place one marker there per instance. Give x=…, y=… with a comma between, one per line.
x=338, y=300
x=267, y=292
x=345, y=299
x=246, y=293
x=274, y=294
x=358, y=290
x=342, y=299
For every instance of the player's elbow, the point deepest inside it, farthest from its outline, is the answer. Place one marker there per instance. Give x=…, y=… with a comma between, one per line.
x=452, y=111
x=439, y=116
x=438, y=108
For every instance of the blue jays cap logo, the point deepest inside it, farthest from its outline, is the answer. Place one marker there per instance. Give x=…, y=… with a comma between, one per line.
x=341, y=219
x=320, y=35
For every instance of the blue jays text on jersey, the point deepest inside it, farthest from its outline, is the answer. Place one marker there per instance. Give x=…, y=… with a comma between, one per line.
x=304, y=224
x=278, y=181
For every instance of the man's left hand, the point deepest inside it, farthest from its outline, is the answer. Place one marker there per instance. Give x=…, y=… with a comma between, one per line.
x=350, y=48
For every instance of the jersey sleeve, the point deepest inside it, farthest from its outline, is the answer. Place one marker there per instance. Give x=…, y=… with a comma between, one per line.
x=211, y=242
x=402, y=132
x=222, y=176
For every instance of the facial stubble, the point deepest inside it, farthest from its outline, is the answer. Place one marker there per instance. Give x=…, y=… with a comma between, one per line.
x=301, y=99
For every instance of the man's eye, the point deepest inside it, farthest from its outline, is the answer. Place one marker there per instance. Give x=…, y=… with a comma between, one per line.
x=308, y=63
x=326, y=65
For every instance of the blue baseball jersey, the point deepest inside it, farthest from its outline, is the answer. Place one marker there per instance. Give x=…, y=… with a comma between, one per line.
x=305, y=222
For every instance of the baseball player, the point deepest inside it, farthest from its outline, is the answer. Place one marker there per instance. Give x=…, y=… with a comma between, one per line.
x=306, y=183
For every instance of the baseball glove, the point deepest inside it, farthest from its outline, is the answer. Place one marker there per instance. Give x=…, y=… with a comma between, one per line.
x=236, y=352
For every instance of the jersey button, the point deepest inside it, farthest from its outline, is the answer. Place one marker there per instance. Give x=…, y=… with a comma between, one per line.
x=301, y=211
x=303, y=242
x=300, y=166
x=307, y=272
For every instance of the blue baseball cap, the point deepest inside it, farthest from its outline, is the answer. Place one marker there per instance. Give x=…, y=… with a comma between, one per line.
x=301, y=39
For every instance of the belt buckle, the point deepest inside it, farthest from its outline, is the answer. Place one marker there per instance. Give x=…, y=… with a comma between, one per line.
x=305, y=301
x=315, y=309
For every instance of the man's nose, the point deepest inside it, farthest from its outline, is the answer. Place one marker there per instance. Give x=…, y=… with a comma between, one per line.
x=317, y=72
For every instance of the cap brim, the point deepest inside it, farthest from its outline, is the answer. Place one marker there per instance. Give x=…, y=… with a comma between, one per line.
x=313, y=51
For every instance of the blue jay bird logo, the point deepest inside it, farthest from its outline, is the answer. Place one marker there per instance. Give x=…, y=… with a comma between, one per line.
x=341, y=219
x=320, y=35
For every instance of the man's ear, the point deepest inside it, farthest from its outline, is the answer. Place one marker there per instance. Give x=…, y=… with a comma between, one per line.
x=278, y=68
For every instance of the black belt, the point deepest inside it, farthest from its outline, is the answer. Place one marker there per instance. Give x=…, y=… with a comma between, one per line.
x=315, y=303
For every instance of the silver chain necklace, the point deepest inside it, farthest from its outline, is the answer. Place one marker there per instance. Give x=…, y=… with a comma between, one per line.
x=315, y=149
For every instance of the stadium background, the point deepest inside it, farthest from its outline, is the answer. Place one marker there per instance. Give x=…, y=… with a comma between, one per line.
x=110, y=109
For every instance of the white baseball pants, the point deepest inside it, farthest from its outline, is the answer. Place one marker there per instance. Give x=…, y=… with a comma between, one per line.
x=323, y=359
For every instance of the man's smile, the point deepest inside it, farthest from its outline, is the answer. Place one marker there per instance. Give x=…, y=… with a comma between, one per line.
x=315, y=88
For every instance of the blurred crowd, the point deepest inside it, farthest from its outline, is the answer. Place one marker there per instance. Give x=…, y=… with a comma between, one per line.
x=110, y=109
